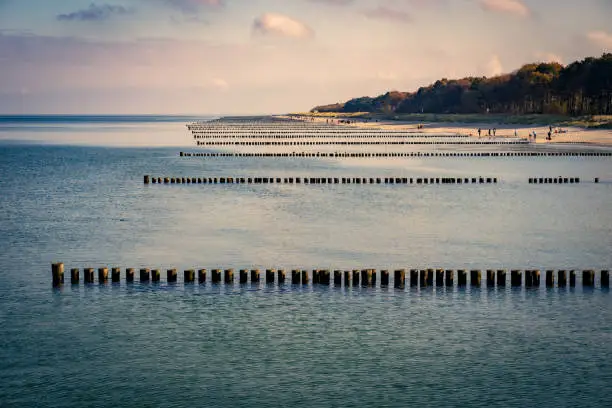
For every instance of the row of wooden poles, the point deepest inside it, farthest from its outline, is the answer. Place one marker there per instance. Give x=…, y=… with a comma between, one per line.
x=400, y=154
x=288, y=128
x=355, y=277
x=317, y=180
x=357, y=143
x=557, y=180
x=277, y=125
x=303, y=129
x=298, y=134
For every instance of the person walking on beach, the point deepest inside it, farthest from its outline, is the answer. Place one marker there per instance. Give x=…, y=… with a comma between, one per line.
x=494, y=130
x=515, y=134
x=479, y=132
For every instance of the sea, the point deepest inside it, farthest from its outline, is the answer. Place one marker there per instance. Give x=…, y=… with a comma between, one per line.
x=72, y=191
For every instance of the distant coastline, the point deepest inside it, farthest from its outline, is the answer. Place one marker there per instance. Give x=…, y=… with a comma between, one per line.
x=542, y=92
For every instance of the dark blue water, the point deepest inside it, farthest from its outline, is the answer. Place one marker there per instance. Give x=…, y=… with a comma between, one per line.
x=77, y=196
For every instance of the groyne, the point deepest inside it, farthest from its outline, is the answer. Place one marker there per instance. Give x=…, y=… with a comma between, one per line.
x=359, y=143
x=394, y=154
x=367, y=277
x=148, y=179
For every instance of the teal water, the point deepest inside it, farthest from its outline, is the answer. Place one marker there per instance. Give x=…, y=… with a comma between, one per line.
x=73, y=192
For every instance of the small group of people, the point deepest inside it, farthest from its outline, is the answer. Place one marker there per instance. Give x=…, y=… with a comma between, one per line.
x=492, y=132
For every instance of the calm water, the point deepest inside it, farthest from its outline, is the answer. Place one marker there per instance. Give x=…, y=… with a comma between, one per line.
x=71, y=190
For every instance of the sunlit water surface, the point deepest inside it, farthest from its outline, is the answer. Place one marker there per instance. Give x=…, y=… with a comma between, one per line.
x=72, y=191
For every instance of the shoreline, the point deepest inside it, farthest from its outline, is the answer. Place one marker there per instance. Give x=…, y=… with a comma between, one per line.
x=569, y=135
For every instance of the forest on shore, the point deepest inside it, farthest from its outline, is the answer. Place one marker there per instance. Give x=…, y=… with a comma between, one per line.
x=578, y=89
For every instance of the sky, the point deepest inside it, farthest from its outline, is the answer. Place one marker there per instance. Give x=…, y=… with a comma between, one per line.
x=271, y=56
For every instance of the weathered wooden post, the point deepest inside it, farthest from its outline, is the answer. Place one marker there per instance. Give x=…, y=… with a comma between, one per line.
x=449, y=277
x=562, y=278
x=155, y=275
x=347, y=279
x=550, y=278
x=535, y=278
x=501, y=277
x=57, y=273
x=281, y=276
x=88, y=275
x=147, y=179
x=475, y=277
x=439, y=277
x=74, y=276
x=423, y=278
x=461, y=277
x=384, y=277
x=305, y=278
x=201, y=276
x=528, y=278
x=414, y=277
x=605, y=279
x=337, y=277
x=399, y=279
x=295, y=277
x=355, y=277
x=145, y=274
x=171, y=275
x=516, y=278
x=572, y=278
x=490, y=278
x=315, y=277
x=189, y=276
x=366, y=277
x=229, y=276
x=429, y=279
x=102, y=275
x=129, y=275
x=216, y=275
x=270, y=276
x=244, y=276
x=324, y=277
x=588, y=278
x=116, y=275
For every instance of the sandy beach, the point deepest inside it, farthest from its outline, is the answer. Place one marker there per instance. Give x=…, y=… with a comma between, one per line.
x=560, y=134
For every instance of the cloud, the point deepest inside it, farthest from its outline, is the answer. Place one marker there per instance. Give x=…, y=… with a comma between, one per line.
x=95, y=12
x=601, y=38
x=219, y=83
x=194, y=6
x=389, y=14
x=494, y=66
x=334, y=2
x=282, y=26
x=512, y=7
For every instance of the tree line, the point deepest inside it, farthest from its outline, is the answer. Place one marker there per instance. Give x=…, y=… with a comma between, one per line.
x=580, y=88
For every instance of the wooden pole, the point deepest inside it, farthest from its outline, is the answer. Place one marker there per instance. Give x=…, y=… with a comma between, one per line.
x=189, y=276
x=57, y=273
x=201, y=276
x=399, y=280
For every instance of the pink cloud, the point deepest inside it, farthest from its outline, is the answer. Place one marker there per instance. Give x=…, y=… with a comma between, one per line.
x=281, y=25
x=387, y=13
x=512, y=7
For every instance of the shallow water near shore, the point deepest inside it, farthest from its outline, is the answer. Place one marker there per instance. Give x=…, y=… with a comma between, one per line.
x=75, y=194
